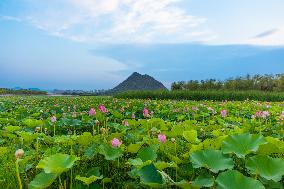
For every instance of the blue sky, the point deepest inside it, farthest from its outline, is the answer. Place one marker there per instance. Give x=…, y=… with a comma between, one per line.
x=95, y=44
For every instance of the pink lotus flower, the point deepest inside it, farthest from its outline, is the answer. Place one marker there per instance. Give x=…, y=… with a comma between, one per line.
x=125, y=123
x=145, y=112
x=102, y=108
x=133, y=116
x=53, y=119
x=92, y=112
x=162, y=138
x=223, y=113
x=265, y=114
x=194, y=108
x=258, y=114
x=115, y=142
x=212, y=110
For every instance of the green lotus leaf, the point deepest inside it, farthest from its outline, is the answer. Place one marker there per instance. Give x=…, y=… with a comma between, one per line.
x=28, y=137
x=106, y=180
x=150, y=176
x=134, y=148
x=32, y=123
x=267, y=167
x=147, y=153
x=3, y=151
x=42, y=180
x=109, y=152
x=270, y=184
x=57, y=163
x=88, y=180
x=185, y=185
x=203, y=181
x=12, y=129
x=91, y=151
x=214, y=160
x=177, y=130
x=242, y=144
x=190, y=136
x=163, y=165
x=85, y=139
x=232, y=179
x=135, y=162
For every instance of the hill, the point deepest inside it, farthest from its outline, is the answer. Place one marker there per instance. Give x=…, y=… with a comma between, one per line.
x=138, y=81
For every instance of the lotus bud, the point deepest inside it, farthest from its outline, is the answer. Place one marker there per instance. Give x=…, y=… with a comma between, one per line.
x=37, y=129
x=53, y=119
x=19, y=153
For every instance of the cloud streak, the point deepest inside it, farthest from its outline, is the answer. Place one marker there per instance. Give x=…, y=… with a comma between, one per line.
x=266, y=33
x=118, y=21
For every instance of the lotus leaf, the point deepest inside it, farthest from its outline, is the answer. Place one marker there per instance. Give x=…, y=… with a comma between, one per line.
x=267, y=167
x=232, y=179
x=214, y=160
x=57, y=163
x=242, y=144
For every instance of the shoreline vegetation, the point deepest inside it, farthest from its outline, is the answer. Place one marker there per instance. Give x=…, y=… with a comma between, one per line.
x=9, y=92
x=217, y=95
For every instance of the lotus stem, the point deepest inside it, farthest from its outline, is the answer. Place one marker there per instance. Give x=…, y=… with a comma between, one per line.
x=53, y=129
x=18, y=175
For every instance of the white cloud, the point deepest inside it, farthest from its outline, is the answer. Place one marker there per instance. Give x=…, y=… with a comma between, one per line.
x=10, y=18
x=268, y=38
x=118, y=21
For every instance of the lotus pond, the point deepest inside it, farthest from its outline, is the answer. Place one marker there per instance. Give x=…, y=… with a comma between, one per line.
x=103, y=142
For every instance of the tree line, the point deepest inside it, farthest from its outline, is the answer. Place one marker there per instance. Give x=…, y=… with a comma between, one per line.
x=248, y=82
x=4, y=91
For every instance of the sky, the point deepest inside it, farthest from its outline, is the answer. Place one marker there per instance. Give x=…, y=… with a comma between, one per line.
x=96, y=44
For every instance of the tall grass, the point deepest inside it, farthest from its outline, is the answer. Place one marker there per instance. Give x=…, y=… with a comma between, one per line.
x=204, y=95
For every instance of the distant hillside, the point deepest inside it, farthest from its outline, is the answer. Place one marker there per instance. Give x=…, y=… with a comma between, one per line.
x=137, y=81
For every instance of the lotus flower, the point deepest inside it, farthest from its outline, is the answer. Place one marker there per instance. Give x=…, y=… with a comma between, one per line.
x=145, y=112
x=125, y=123
x=212, y=110
x=162, y=138
x=223, y=113
x=19, y=153
x=92, y=112
x=265, y=114
x=115, y=142
x=133, y=116
x=194, y=108
x=102, y=108
x=258, y=114
x=53, y=119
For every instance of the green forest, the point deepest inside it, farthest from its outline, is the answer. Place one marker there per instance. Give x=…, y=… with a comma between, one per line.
x=255, y=82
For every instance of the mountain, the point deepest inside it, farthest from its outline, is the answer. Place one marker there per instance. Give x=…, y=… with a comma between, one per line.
x=137, y=81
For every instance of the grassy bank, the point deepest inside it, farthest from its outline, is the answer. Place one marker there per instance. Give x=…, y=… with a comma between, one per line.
x=204, y=95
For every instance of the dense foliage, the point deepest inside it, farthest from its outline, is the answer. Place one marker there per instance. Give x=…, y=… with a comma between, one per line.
x=257, y=82
x=204, y=95
x=4, y=91
x=90, y=142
